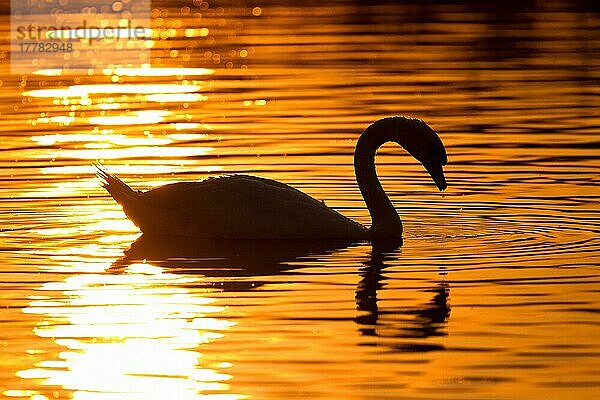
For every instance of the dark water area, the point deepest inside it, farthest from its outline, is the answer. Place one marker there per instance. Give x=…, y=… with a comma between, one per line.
x=494, y=293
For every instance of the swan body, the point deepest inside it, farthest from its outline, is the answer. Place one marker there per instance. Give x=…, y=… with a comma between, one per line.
x=249, y=207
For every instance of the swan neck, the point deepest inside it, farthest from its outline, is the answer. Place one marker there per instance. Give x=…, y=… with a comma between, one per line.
x=385, y=221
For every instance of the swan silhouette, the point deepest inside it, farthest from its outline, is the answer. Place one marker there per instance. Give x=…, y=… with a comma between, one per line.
x=249, y=207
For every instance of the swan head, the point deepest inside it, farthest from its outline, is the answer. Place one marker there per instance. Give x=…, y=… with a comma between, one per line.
x=424, y=144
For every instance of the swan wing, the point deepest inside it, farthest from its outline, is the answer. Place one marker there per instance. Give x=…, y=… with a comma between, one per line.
x=241, y=206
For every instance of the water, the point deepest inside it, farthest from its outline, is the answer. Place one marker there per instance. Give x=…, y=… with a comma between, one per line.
x=493, y=295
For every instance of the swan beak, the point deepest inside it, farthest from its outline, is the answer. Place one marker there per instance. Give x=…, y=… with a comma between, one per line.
x=437, y=174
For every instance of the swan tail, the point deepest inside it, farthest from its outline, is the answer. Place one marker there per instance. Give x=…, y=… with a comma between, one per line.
x=123, y=194
x=118, y=189
x=143, y=215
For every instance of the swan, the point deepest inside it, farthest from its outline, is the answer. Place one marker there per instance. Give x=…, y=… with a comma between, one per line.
x=249, y=207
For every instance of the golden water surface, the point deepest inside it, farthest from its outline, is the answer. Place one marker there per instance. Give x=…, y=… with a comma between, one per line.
x=494, y=294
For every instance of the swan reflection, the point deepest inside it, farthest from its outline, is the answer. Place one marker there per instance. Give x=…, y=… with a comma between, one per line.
x=224, y=257
x=139, y=330
x=420, y=322
x=255, y=258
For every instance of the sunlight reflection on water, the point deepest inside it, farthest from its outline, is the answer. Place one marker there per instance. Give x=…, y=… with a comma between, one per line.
x=133, y=335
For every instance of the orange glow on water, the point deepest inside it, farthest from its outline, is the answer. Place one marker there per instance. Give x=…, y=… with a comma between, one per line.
x=492, y=295
x=136, y=118
x=179, y=71
x=145, y=347
x=86, y=90
x=175, y=97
